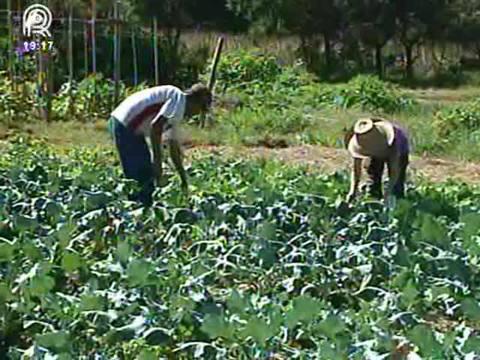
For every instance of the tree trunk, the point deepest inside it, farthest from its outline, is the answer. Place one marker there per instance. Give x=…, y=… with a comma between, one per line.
x=379, y=60
x=409, y=61
x=327, y=51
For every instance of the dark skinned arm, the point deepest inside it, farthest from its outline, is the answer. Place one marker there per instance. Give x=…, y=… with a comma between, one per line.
x=158, y=125
x=177, y=159
x=355, y=179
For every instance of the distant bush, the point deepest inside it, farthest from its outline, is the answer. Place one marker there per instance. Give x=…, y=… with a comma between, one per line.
x=92, y=98
x=371, y=94
x=14, y=104
x=464, y=117
x=247, y=69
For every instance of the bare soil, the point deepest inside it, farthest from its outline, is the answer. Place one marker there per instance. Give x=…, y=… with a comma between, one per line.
x=324, y=159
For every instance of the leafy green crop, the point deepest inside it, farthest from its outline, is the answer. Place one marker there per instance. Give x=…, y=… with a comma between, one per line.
x=464, y=117
x=264, y=261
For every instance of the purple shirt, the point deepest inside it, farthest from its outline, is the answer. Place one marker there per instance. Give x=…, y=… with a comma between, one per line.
x=401, y=140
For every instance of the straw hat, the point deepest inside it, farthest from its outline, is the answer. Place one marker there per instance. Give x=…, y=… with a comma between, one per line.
x=372, y=138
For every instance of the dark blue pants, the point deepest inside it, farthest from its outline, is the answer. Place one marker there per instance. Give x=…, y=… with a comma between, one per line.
x=135, y=159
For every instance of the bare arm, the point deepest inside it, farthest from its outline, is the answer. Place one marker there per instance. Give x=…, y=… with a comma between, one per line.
x=156, y=139
x=177, y=159
x=355, y=179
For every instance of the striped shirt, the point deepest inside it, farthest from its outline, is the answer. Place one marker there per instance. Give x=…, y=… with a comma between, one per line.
x=138, y=110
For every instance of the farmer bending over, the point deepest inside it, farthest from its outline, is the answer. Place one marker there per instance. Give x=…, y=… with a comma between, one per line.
x=383, y=143
x=153, y=113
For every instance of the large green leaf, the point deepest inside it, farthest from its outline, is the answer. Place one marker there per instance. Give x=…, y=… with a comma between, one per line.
x=71, y=261
x=138, y=272
x=423, y=337
x=331, y=326
x=472, y=345
x=471, y=309
x=304, y=309
x=258, y=329
x=433, y=231
x=54, y=341
x=215, y=326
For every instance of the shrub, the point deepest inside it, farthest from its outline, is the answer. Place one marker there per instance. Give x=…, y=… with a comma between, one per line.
x=464, y=117
x=242, y=69
x=372, y=94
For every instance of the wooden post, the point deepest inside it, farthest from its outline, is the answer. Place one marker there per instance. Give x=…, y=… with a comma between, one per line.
x=134, y=53
x=94, y=56
x=213, y=72
x=116, y=54
x=155, y=50
x=70, y=61
x=41, y=85
x=94, y=42
x=10, y=44
x=85, y=47
x=216, y=60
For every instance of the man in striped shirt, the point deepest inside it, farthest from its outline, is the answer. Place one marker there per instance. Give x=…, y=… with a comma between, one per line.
x=154, y=113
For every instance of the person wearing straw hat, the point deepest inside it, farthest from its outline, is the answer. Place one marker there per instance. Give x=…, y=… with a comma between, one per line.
x=154, y=114
x=383, y=143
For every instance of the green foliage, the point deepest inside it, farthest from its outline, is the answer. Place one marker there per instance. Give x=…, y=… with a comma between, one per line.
x=247, y=70
x=372, y=94
x=459, y=118
x=271, y=260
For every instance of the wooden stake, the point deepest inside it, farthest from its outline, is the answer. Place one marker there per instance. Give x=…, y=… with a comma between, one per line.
x=85, y=47
x=116, y=55
x=94, y=55
x=216, y=60
x=213, y=72
x=10, y=44
x=134, y=53
x=70, y=61
x=155, y=50
x=94, y=43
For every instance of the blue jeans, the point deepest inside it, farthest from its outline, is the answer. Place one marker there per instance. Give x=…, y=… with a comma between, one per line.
x=135, y=159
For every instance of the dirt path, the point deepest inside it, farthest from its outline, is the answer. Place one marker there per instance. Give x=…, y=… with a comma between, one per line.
x=329, y=160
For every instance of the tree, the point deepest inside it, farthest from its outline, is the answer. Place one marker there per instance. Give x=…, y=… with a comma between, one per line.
x=308, y=19
x=374, y=22
x=417, y=20
x=465, y=26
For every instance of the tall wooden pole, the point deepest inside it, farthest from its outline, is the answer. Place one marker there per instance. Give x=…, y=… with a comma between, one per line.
x=134, y=53
x=85, y=47
x=213, y=72
x=70, y=60
x=116, y=54
x=10, y=44
x=216, y=60
x=94, y=54
x=94, y=42
x=155, y=50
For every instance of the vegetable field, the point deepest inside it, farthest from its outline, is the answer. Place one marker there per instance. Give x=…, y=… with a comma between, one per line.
x=262, y=261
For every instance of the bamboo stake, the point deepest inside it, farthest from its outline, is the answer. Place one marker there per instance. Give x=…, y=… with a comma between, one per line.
x=155, y=50
x=134, y=52
x=116, y=55
x=85, y=47
x=213, y=72
x=94, y=43
x=216, y=60
x=70, y=61
x=94, y=55
x=10, y=44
